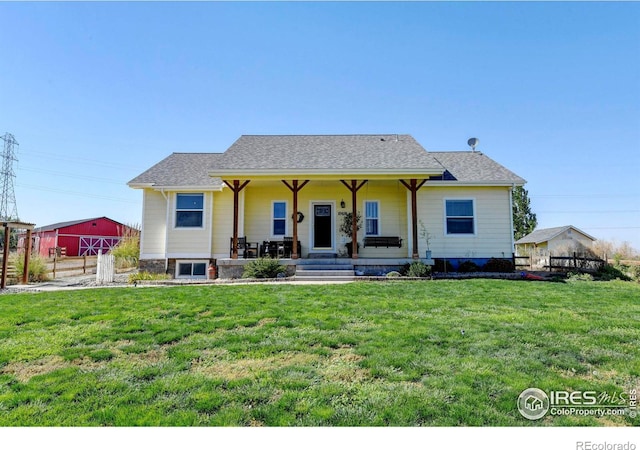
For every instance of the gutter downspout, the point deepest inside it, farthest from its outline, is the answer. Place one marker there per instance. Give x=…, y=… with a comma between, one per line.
x=513, y=243
x=166, y=231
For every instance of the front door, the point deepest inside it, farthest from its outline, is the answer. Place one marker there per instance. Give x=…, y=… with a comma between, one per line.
x=322, y=226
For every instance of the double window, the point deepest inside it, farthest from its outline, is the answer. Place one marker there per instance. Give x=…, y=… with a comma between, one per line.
x=372, y=218
x=279, y=219
x=460, y=217
x=189, y=210
x=192, y=270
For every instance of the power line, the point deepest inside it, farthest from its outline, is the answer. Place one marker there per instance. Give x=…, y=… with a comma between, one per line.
x=611, y=228
x=625, y=211
x=77, y=159
x=75, y=193
x=613, y=195
x=66, y=175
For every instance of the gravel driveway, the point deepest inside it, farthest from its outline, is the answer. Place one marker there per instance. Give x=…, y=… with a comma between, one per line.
x=67, y=283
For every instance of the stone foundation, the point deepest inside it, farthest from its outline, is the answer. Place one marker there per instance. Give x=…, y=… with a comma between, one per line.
x=151, y=265
x=171, y=268
x=234, y=268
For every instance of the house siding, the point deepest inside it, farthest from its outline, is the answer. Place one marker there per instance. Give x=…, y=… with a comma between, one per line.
x=190, y=242
x=154, y=227
x=223, y=223
x=392, y=197
x=258, y=202
x=492, y=236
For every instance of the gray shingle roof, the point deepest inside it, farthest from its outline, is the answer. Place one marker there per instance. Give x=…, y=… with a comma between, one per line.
x=472, y=167
x=181, y=169
x=323, y=154
x=546, y=234
x=328, y=152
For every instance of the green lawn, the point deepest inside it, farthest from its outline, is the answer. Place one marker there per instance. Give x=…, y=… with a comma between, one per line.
x=346, y=355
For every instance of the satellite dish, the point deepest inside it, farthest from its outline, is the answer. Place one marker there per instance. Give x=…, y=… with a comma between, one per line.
x=473, y=142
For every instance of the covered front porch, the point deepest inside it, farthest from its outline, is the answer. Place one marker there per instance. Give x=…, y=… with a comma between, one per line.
x=325, y=216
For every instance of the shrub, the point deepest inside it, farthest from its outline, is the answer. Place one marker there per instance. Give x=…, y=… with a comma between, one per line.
x=147, y=276
x=468, y=266
x=263, y=268
x=127, y=252
x=416, y=269
x=634, y=272
x=577, y=276
x=609, y=272
x=38, y=270
x=500, y=265
x=442, y=265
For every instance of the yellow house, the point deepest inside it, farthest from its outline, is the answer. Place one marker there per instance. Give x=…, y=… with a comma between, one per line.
x=266, y=192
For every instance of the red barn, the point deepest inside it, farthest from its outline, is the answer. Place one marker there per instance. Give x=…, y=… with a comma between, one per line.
x=78, y=237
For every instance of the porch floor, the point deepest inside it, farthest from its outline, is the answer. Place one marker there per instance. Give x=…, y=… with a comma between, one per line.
x=329, y=260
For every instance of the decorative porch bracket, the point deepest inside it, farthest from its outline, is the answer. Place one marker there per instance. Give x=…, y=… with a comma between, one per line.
x=413, y=187
x=236, y=187
x=354, y=187
x=295, y=188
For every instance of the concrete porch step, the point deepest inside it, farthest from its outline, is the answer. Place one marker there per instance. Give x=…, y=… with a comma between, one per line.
x=322, y=255
x=311, y=267
x=344, y=279
x=325, y=272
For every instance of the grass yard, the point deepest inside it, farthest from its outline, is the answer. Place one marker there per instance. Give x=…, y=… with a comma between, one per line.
x=361, y=354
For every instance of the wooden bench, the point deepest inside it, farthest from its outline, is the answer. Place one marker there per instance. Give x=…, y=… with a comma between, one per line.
x=383, y=241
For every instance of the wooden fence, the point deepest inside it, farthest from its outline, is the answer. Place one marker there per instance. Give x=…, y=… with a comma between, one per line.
x=11, y=270
x=560, y=263
x=105, y=269
x=523, y=262
x=84, y=264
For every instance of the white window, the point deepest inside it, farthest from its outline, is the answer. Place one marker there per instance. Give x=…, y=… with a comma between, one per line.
x=459, y=216
x=279, y=219
x=189, y=210
x=372, y=218
x=191, y=269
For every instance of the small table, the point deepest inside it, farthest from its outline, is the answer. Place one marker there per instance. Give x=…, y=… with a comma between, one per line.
x=277, y=249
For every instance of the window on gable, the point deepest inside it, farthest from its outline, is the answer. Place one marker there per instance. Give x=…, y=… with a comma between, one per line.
x=372, y=218
x=279, y=218
x=189, y=210
x=459, y=216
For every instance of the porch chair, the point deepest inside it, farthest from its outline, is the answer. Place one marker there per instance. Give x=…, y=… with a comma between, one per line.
x=245, y=249
x=287, y=246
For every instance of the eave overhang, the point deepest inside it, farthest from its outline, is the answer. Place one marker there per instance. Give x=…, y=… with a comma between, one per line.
x=190, y=188
x=448, y=183
x=337, y=174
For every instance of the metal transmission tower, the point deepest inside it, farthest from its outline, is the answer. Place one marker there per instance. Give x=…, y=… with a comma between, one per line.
x=8, y=206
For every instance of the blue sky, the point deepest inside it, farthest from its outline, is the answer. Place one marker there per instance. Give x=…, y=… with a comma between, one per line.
x=95, y=93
